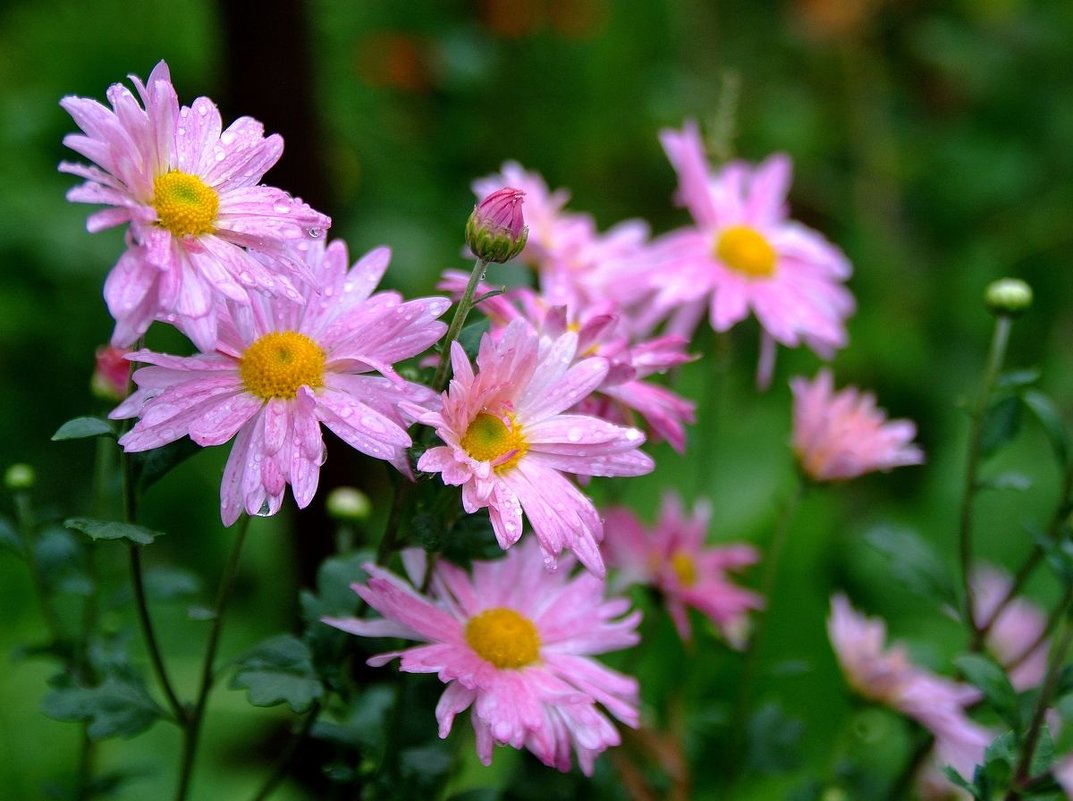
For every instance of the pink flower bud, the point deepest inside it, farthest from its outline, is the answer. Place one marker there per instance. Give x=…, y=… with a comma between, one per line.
x=111, y=379
x=496, y=230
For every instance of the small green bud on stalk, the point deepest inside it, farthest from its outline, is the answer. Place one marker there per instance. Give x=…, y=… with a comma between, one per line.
x=496, y=230
x=19, y=477
x=349, y=505
x=1008, y=297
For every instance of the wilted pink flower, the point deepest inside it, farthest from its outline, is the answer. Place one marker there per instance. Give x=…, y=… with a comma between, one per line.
x=191, y=194
x=841, y=435
x=513, y=643
x=1016, y=637
x=672, y=557
x=280, y=370
x=496, y=231
x=744, y=254
x=111, y=376
x=508, y=441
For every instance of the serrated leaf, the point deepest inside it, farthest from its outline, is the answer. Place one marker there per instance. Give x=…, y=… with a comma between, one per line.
x=83, y=427
x=112, y=530
x=151, y=466
x=1000, y=758
x=1001, y=423
x=913, y=563
x=116, y=708
x=1050, y=419
x=279, y=670
x=985, y=674
x=10, y=539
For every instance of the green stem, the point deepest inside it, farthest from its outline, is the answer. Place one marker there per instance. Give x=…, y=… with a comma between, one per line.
x=192, y=723
x=288, y=753
x=1021, y=776
x=997, y=355
x=465, y=303
x=149, y=633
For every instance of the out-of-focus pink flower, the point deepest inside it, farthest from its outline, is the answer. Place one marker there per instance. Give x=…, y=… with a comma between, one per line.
x=1015, y=638
x=514, y=644
x=627, y=388
x=743, y=254
x=192, y=196
x=111, y=376
x=1063, y=774
x=496, y=231
x=841, y=435
x=673, y=558
x=508, y=440
x=280, y=370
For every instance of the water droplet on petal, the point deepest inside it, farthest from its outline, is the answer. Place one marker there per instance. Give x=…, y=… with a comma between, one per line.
x=315, y=233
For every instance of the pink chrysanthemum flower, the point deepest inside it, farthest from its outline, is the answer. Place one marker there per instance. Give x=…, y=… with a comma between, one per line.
x=1016, y=638
x=513, y=643
x=191, y=194
x=841, y=435
x=280, y=370
x=627, y=388
x=673, y=558
x=745, y=255
x=508, y=441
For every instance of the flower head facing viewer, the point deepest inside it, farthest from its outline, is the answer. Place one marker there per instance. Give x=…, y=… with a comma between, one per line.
x=190, y=192
x=842, y=435
x=509, y=438
x=514, y=644
x=282, y=369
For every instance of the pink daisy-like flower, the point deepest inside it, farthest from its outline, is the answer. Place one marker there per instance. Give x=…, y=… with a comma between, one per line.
x=513, y=643
x=745, y=255
x=673, y=558
x=280, y=370
x=508, y=441
x=191, y=194
x=841, y=435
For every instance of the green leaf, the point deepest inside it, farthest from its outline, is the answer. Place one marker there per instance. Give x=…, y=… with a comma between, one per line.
x=985, y=674
x=10, y=539
x=366, y=722
x=470, y=336
x=774, y=740
x=1000, y=758
x=112, y=530
x=1011, y=480
x=423, y=767
x=116, y=708
x=277, y=671
x=83, y=427
x=1015, y=379
x=1001, y=423
x=1049, y=418
x=913, y=563
x=151, y=466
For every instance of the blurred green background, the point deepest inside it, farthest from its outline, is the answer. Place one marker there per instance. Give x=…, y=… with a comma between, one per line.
x=931, y=140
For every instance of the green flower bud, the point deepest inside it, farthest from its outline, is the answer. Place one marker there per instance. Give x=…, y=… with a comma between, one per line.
x=496, y=231
x=349, y=505
x=1008, y=296
x=19, y=477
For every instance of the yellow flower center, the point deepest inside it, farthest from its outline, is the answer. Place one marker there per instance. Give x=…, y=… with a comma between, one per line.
x=491, y=439
x=504, y=638
x=184, y=204
x=278, y=363
x=745, y=250
x=684, y=568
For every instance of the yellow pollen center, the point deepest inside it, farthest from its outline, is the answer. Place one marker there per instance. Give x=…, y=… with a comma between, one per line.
x=277, y=364
x=185, y=205
x=745, y=250
x=491, y=439
x=684, y=568
x=504, y=638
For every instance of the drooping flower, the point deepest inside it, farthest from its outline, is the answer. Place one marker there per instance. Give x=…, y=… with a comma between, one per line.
x=841, y=435
x=280, y=370
x=508, y=440
x=1016, y=638
x=495, y=231
x=191, y=194
x=744, y=254
x=672, y=557
x=601, y=330
x=514, y=644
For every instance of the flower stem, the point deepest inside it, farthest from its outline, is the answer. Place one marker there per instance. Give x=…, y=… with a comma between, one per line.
x=192, y=723
x=999, y=342
x=465, y=303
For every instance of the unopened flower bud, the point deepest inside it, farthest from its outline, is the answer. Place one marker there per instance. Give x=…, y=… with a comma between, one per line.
x=111, y=378
x=19, y=477
x=1008, y=296
x=496, y=230
x=349, y=505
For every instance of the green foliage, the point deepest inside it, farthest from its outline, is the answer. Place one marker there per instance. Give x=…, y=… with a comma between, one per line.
x=1050, y=419
x=914, y=563
x=149, y=467
x=112, y=530
x=84, y=427
x=277, y=671
x=774, y=740
x=10, y=539
x=1001, y=423
x=118, y=707
x=984, y=673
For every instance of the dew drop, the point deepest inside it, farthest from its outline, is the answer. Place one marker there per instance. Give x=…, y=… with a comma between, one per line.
x=315, y=233
x=574, y=435
x=281, y=208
